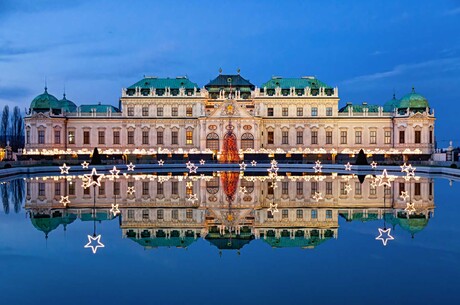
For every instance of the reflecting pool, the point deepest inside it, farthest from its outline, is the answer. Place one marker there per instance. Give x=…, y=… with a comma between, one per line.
x=229, y=237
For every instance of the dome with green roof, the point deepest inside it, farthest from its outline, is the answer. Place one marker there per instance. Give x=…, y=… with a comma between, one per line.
x=413, y=101
x=391, y=104
x=68, y=105
x=45, y=102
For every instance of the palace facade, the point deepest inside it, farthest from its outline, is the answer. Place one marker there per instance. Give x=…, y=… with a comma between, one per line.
x=229, y=118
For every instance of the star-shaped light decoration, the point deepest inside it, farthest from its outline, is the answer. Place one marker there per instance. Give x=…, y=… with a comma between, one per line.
x=273, y=162
x=253, y=163
x=64, y=200
x=192, y=198
x=114, y=173
x=348, y=166
x=193, y=169
x=161, y=162
x=64, y=169
x=318, y=166
x=318, y=196
x=115, y=210
x=130, y=190
x=274, y=185
x=273, y=208
x=243, y=189
x=348, y=188
x=92, y=179
x=404, y=168
x=189, y=164
x=404, y=195
x=384, y=179
x=410, y=208
x=374, y=183
x=85, y=164
x=130, y=166
x=202, y=162
x=243, y=166
x=189, y=184
x=94, y=242
x=384, y=235
x=374, y=164
x=411, y=171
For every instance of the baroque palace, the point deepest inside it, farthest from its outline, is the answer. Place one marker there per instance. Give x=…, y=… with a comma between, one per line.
x=231, y=119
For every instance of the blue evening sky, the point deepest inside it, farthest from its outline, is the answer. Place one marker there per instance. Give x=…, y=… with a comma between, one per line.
x=366, y=48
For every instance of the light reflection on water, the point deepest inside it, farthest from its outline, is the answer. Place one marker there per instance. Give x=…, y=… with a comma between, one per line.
x=207, y=239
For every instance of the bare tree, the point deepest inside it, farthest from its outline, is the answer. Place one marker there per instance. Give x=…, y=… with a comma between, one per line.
x=4, y=125
x=17, y=129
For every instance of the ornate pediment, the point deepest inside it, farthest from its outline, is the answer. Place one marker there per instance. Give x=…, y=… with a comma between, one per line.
x=40, y=115
x=230, y=109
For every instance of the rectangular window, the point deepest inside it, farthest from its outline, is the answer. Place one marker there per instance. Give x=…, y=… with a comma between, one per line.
x=328, y=137
x=314, y=187
x=299, y=111
x=116, y=137
x=387, y=191
x=284, y=213
x=314, y=137
x=343, y=137
x=101, y=136
x=284, y=188
x=431, y=137
x=270, y=111
x=86, y=137
x=269, y=214
x=387, y=137
x=175, y=214
x=343, y=191
x=299, y=137
x=57, y=137
x=358, y=137
x=71, y=137
x=130, y=111
x=71, y=188
x=160, y=111
x=402, y=137
x=27, y=136
x=270, y=188
x=145, y=188
x=130, y=214
x=328, y=214
x=130, y=136
x=285, y=111
x=373, y=137
x=417, y=190
x=418, y=137
x=174, y=137
x=430, y=189
x=174, y=188
x=159, y=137
x=145, y=214
x=314, y=111
x=41, y=137
x=372, y=190
x=314, y=214
x=284, y=137
x=402, y=188
x=328, y=111
x=270, y=137
x=102, y=189
x=299, y=188
x=145, y=111
x=116, y=188
x=159, y=188
x=328, y=187
x=41, y=189
x=174, y=111
x=189, y=111
x=57, y=189
x=299, y=214
x=358, y=191
x=86, y=191
x=189, y=214
x=145, y=137
x=189, y=137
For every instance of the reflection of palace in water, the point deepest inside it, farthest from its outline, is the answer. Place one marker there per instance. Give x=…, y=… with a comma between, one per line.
x=230, y=210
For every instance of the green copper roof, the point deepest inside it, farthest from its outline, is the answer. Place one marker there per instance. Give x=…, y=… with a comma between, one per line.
x=46, y=223
x=360, y=108
x=158, y=242
x=98, y=107
x=68, y=105
x=296, y=242
x=45, y=101
x=413, y=101
x=161, y=83
x=225, y=80
x=235, y=243
x=99, y=216
x=391, y=104
x=413, y=224
x=298, y=83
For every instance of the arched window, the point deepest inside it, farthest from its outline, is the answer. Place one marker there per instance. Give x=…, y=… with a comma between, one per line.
x=212, y=186
x=212, y=141
x=247, y=141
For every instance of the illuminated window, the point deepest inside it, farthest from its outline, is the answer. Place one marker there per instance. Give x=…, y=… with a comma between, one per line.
x=212, y=141
x=71, y=137
x=189, y=137
x=247, y=140
x=373, y=137
x=189, y=111
x=387, y=137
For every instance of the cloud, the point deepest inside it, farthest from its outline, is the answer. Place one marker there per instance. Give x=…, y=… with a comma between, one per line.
x=14, y=93
x=454, y=11
x=445, y=64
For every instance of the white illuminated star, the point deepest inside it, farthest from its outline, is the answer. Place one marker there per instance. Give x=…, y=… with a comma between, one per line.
x=243, y=189
x=404, y=168
x=131, y=190
x=115, y=210
x=130, y=166
x=243, y=166
x=253, y=163
x=384, y=235
x=404, y=195
x=64, y=169
x=202, y=162
x=114, y=172
x=161, y=162
x=348, y=188
x=273, y=208
x=192, y=198
x=92, y=179
x=318, y=196
x=189, y=184
x=374, y=164
x=374, y=182
x=384, y=179
x=348, y=166
x=94, y=242
x=273, y=162
x=189, y=164
x=274, y=185
x=64, y=200
x=318, y=166
x=193, y=169
x=85, y=164
x=410, y=208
